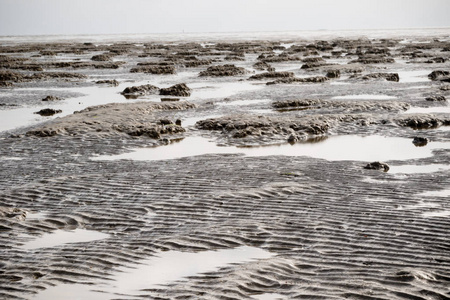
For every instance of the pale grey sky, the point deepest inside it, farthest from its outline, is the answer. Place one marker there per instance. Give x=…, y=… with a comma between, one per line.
x=38, y=17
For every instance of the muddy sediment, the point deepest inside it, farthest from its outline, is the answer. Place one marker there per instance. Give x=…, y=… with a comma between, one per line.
x=331, y=229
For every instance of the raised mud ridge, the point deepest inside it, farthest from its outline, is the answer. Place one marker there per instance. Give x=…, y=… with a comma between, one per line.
x=137, y=119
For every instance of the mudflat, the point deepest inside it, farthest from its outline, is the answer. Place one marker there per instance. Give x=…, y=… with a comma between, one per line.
x=258, y=169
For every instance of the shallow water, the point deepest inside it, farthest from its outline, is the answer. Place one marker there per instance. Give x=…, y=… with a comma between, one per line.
x=171, y=266
x=413, y=169
x=428, y=110
x=441, y=193
x=98, y=95
x=336, y=148
x=440, y=214
x=60, y=237
x=166, y=267
x=364, y=97
x=413, y=76
x=268, y=296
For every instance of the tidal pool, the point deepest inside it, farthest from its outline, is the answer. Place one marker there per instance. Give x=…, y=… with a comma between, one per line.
x=335, y=148
x=413, y=169
x=61, y=237
x=164, y=268
x=364, y=97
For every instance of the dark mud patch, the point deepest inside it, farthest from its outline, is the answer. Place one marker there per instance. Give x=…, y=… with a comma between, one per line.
x=424, y=121
x=225, y=70
x=353, y=106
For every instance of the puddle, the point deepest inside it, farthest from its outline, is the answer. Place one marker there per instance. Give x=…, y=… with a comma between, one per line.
x=336, y=148
x=268, y=296
x=171, y=266
x=71, y=292
x=243, y=102
x=441, y=193
x=420, y=205
x=339, y=83
x=364, y=97
x=413, y=169
x=165, y=268
x=11, y=158
x=416, y=87
x=428, y=110
x=60, y=237
x=35, y=216
x=221, y=90
x=442, y=214
x=413, y=76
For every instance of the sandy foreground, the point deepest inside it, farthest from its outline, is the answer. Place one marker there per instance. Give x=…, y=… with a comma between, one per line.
x=226, y=170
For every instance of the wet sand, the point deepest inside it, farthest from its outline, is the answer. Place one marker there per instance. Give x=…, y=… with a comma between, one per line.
x=246, y=183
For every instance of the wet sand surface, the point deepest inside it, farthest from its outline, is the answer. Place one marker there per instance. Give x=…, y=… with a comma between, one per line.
x=246, y=182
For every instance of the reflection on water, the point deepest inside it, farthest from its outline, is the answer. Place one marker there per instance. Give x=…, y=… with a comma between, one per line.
x=413, y=76
x=441, y=193
x=336, y=148
x=441, y=213
x=412, y=169
x=173, y=265
x=162, y=269
x=60, y=237
x=364, y=97
x=428, y=110
x=268, y=296
x=71, y=292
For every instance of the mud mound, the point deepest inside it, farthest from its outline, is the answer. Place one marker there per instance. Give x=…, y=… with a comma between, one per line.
x=424, y=121
x=136, y=119
x=272, y=75
x=179, y=90
x=154, y=69
x=225, y=70
x=315, y=79
x=348, y=106
x=141, y=90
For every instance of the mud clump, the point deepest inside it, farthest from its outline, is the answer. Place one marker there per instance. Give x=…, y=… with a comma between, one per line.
x=178, y=90
x=440, y=75
x=272, y=75
x=377, y=166
x=436, y=98
x=51, y=98
x=267, y=128
x=225, y=70
x=388, y=76
x=11, y=76
x=314, y=65
x=423, y=121
x=262, y=65
x=348, y=106
x=366, y=60
x=141, y=90
x=46, y=112
x=315, y=79
x=102, y=57
x=109, y=82
x=420, y=141
x=158, y=70
x=333, y=73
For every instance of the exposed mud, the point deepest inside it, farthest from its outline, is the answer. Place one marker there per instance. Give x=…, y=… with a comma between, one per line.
x=290, y=224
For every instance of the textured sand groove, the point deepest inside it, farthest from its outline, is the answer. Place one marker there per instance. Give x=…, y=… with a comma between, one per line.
x=333, y=235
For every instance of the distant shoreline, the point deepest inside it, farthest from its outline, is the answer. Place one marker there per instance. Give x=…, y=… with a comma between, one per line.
x=233, y=36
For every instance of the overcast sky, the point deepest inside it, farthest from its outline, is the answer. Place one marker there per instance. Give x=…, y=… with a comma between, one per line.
x=38, y=17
